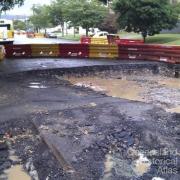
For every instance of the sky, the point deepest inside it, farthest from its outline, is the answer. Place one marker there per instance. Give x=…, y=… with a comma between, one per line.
x=26, y=8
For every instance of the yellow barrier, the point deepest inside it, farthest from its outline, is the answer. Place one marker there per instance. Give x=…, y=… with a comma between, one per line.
x=99, y=40
x=40, y=50
x=103, y=51
x=39, y=35
x=2, y=53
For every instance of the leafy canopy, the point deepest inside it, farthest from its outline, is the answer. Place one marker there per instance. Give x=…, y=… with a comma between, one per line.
x=40, y=18
x=57, y=11
x=19, y=25
x=9, y=4
x=87, y=14
x=147, y=17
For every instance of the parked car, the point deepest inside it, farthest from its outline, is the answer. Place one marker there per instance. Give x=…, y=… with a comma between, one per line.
x=100, y=34
x=30, y=34
x=51, y=35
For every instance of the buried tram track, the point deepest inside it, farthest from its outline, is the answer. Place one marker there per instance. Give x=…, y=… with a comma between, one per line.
x=87, y=131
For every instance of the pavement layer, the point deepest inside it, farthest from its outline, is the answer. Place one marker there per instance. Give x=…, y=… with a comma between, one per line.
x=10, y=66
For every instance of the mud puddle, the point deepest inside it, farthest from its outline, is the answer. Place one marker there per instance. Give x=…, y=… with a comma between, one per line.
x=161, y=91
x=121, y=88
x=16, y=169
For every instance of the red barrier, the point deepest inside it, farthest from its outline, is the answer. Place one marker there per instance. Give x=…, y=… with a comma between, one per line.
x=150, y=52
x=20, y=51
x=129, y=41
x=85, y=40
x=74, y=50
x=163, y=53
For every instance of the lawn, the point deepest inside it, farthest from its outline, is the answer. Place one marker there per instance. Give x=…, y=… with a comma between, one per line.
x=171, y=39
x=71, y=37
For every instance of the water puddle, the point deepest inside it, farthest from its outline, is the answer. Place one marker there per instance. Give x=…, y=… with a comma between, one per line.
x=142, y=165
x=108, y=166
x=170, y=82
x=157, y=178
x=121, y=88
x=15, y=172
x=174, y=110
x=37, y=85
x=164, y=92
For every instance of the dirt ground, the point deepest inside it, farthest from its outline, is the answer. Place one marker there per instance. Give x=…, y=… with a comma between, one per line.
x=107, y=126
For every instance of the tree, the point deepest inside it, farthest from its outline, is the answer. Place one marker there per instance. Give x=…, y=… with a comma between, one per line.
x=9, y=4
x=19, y=25
x=40, y=18
x=147, y=17
x=84, y=13
x=109, y=24
x=57, y=13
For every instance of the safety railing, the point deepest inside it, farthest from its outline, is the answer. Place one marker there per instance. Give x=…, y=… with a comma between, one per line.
x=170, y=54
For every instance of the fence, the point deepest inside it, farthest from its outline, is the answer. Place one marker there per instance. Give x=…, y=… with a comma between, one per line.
x=170, y=54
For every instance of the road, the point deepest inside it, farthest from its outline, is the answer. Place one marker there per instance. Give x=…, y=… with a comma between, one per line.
x=22, y=39
x=93, y=135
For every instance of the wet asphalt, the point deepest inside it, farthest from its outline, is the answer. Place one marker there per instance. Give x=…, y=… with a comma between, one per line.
x=22, y=39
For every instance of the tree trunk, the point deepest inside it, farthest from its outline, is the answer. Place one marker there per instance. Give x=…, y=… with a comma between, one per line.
x=87, y=30
x=144, y=35
x=74, y=32
x=62, y=29
x=144, y=38
x=66, y=29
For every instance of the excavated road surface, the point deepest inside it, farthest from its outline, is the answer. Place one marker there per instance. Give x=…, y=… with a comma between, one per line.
x=61, y=131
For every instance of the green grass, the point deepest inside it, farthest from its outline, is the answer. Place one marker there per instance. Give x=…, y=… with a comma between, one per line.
x=71, y=37
x=171, y=39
